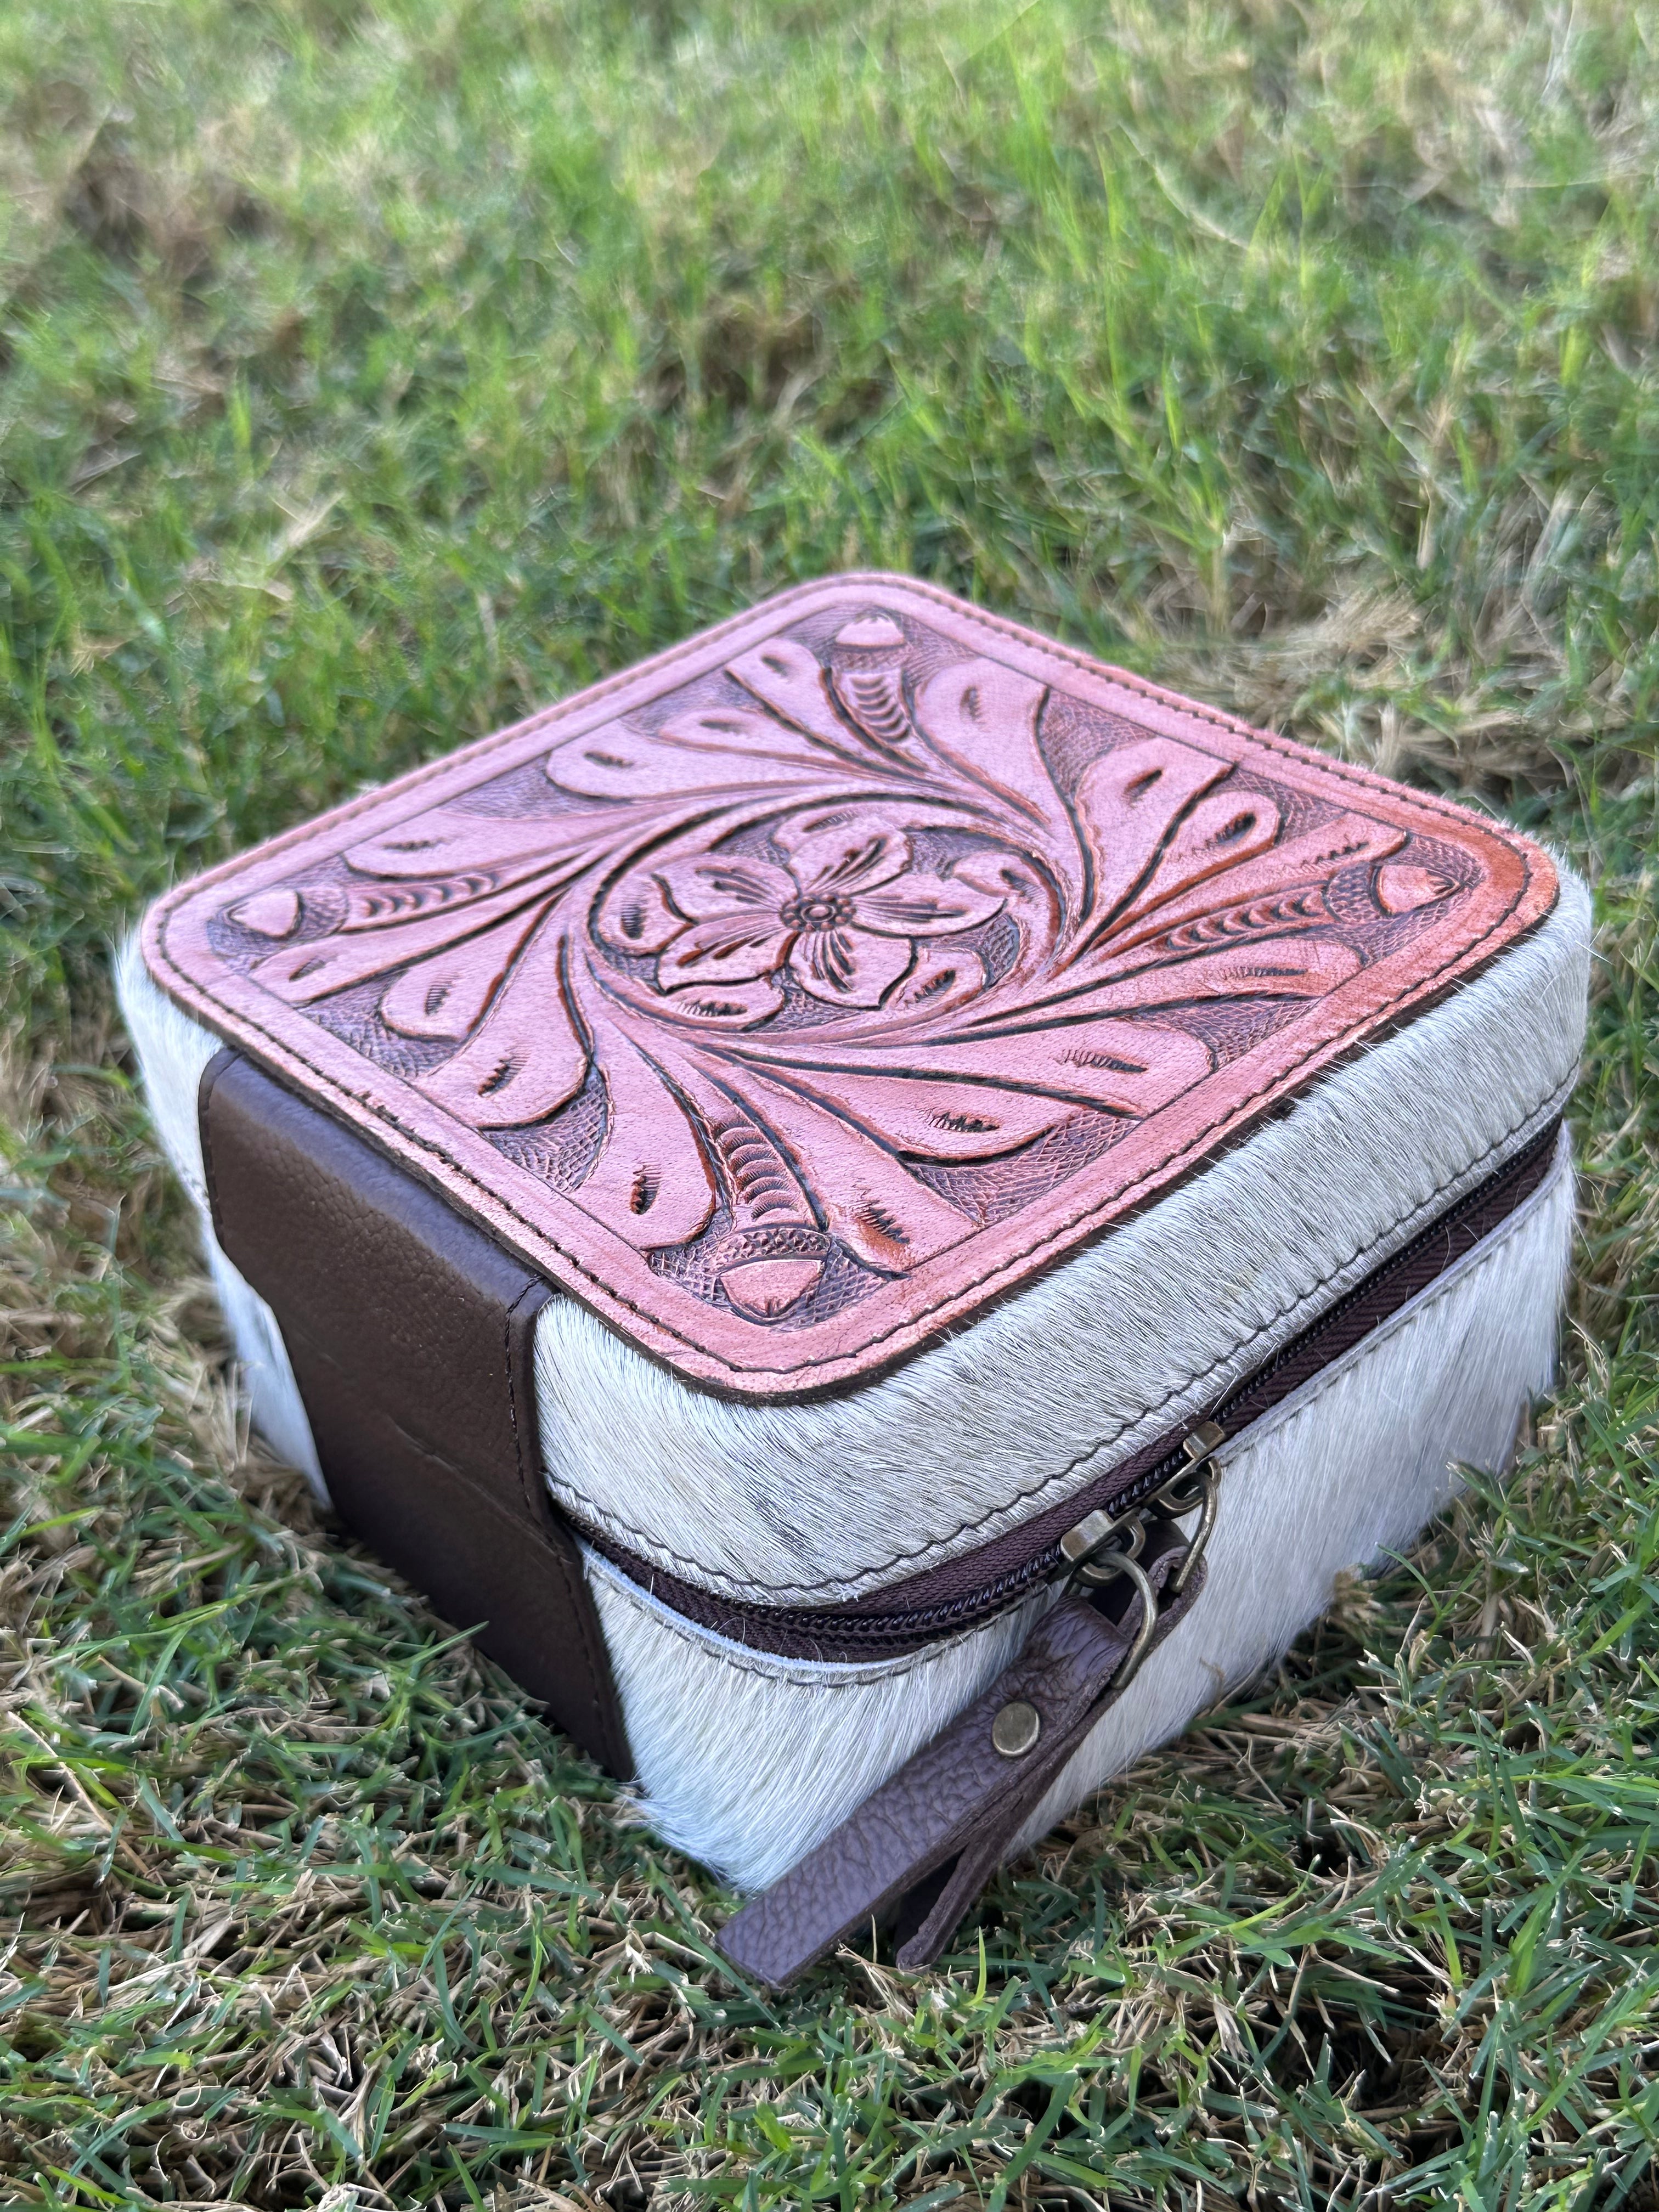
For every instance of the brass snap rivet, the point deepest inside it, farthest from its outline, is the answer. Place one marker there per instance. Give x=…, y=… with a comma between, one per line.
x=1016, y=1729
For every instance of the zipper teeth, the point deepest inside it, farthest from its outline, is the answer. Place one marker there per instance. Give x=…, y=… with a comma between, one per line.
x=835, y=1626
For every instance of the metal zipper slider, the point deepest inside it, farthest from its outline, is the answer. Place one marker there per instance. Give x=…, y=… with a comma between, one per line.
x=1100, y=1547
x=1081, y=1546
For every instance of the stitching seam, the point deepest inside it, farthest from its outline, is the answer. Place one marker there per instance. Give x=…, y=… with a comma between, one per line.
x=1222, y=1362
x=1119, y=1203
x=870, y=1675
x=849, y=1674
x=654, y=1324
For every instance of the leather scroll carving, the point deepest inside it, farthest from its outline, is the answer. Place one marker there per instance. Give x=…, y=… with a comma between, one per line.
x=793, y=995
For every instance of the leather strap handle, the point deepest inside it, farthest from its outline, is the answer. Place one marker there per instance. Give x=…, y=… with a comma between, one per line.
x=922, y=1846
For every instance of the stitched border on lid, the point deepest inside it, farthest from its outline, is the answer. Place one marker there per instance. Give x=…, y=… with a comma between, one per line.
x=717, y=1344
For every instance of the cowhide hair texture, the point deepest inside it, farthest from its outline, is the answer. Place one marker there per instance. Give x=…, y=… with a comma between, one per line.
x=743, y=1760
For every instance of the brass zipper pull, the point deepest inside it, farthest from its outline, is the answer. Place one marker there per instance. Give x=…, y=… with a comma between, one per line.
x=1096, y=1547
x=1099, y=1548
x=1200, y=1449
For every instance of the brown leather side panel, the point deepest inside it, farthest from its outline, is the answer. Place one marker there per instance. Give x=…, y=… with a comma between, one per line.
x=412, y=1339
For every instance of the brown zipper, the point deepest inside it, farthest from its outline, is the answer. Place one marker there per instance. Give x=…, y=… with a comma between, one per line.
x=966, y=1591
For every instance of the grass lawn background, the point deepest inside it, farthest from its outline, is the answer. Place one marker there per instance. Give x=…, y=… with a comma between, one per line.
x=370, y=376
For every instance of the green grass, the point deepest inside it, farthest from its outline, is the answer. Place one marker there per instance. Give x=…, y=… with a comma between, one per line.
x=368, y=374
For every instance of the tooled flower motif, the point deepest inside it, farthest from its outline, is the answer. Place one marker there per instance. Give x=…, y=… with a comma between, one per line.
x=843, y=916
x=831, y=825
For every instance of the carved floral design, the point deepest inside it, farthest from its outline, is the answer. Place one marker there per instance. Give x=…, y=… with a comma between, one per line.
x=843, y=915
x=831, y=931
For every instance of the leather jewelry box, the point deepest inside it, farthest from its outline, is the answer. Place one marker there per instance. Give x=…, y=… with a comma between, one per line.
x=880, y=1208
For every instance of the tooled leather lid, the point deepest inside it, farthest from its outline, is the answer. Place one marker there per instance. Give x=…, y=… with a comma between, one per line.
x=794, y=994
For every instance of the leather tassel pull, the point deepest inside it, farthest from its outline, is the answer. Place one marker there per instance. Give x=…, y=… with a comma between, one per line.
x=920, y=1849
